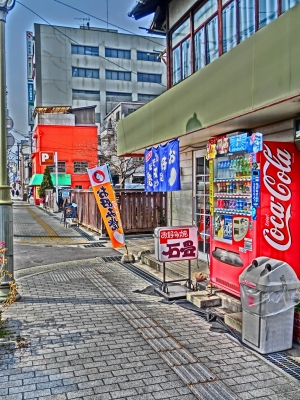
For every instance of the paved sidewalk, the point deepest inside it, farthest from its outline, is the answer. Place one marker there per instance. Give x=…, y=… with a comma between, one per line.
x=89, y=336
x=81, y=332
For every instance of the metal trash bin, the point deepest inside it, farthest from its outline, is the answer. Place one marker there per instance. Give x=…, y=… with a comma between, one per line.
x=269, y=293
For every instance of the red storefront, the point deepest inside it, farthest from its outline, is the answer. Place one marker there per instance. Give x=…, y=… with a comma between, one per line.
x=76, y=148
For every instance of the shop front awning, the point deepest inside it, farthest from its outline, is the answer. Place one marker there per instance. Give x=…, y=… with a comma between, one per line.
x=254, y=84
x=63, y=180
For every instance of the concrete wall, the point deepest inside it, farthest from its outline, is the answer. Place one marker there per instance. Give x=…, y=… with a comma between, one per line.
x=54, y=119
x=282, y=131
x=54, y=62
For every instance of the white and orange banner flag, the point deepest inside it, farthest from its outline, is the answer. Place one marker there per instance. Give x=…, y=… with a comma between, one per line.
x=106, y=200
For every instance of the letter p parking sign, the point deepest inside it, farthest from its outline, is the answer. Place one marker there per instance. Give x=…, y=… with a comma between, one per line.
x=47, y=158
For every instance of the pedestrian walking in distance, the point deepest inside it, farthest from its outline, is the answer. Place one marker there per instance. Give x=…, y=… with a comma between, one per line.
x=17, y=192
x=12, y=192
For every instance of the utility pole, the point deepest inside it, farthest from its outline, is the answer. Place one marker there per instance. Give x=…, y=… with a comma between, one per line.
x=6, y=212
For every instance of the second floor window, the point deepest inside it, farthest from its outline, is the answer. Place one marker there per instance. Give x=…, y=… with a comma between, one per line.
x=117, y=53
x=150, y=78
x=80, y=167
x=61, y=167
x=118, y=75
x=145, y=56
x=85, y=50
x=211, y=32
x=85, y=72
x=181, y=54
x=146, y=97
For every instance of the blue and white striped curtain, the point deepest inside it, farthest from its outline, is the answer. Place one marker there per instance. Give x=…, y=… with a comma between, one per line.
x=229, y=27
x=212, y=40
x=287, y=4
x=268, y=11
x=186, y=59
x=247, y=18
x=176, y=66
x=199, y=49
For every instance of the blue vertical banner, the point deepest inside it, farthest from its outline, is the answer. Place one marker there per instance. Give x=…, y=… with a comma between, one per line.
x=255, y=188
x=162, y=168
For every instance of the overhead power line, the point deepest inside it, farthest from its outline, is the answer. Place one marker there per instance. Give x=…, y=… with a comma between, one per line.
x=109, y=23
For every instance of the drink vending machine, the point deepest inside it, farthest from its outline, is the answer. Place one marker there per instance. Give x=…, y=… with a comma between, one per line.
x=254, y=204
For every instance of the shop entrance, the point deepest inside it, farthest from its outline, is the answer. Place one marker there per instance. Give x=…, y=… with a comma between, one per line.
x=201, y=202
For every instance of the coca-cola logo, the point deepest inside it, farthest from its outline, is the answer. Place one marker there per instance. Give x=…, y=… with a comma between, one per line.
x=276, y=183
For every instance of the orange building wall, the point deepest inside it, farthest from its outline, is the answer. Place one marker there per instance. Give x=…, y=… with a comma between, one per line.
x=72, y=143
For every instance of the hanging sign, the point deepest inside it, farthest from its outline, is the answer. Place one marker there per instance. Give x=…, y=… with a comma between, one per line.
x=162, y=168
x=107, y=204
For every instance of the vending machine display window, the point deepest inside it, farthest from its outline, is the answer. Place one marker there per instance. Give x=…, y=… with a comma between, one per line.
x=232, y=197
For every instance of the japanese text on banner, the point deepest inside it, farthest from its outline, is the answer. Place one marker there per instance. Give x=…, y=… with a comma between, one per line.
x=107, y=204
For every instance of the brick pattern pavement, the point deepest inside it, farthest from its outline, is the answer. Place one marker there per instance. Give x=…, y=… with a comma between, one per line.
x=26, y=225
x=245, y=373
x=80, y=347
x=83, y=344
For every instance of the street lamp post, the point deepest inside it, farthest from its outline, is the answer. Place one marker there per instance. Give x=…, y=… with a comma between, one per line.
x=6, y=213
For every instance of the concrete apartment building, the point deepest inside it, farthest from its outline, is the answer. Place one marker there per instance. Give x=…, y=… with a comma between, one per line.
x=88, y=66
x=131, y=169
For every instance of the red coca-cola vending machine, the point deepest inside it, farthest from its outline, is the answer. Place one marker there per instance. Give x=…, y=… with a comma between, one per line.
x=255, y=205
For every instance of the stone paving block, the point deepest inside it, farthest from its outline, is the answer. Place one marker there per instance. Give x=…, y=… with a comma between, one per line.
x=148, y=389
x=63, y=389
x=36, y=394
x=21, y=389
x=243, y=387
x=12, y=397
x=146, y=396
x=8, y=384
x=80, y=394
x=167, y=393
x=55, y=397
x=37, y=379
x=49, y=385
x=3, y=391
x=131, y=384
x=63, y=375
x=123, y=393
x=22, y=375
x=106, y=389
x=103, y=396
x=245, y=379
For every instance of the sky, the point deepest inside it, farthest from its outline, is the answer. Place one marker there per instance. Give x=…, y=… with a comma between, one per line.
x=20, y=20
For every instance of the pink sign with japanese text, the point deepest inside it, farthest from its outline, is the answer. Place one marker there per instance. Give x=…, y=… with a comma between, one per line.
x=176, y=243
